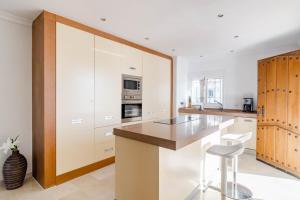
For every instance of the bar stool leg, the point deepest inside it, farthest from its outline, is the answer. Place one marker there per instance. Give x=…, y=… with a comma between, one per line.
x=235, y=171
x=223, y=177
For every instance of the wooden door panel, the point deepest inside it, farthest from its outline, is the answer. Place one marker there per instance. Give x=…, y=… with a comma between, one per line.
x=271, y=93
x=281, y=90
x=293, y=93
x=293, y=156
x=280, y=146
x=261, y=92
x=269, y=143
x=260, y=148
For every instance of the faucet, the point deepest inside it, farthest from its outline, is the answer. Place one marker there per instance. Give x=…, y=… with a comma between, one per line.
x=220, y=104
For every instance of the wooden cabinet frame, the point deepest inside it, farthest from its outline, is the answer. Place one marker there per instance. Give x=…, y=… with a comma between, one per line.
x=44, y=95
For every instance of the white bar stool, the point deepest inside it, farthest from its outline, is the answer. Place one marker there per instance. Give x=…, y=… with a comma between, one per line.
x=235, y=138
x=228, y=189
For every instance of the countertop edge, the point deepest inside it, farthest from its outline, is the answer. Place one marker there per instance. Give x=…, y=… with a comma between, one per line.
x=169, y=144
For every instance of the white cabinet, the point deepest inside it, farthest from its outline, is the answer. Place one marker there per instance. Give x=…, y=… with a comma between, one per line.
x=104, y=143
x=131, y=61
x=156, y=87
x=108, y=84
x=74, y=98
x=243, y=125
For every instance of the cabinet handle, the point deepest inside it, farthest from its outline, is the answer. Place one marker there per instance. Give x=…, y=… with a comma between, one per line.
x=277, y=161
x=289, y=134
x=132, y=68
x=296, y=127
x=295, y=168
x=296, y=136
x=282, y=163
x=289, y=165
x=277, y=120
x=108, y=149
x=290, y=124
x=290, y=91
x=296, y=150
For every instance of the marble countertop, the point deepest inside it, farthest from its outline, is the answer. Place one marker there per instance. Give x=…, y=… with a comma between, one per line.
x=175, y=136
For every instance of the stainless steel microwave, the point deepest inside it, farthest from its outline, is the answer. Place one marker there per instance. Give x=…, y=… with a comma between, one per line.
x=132, y=87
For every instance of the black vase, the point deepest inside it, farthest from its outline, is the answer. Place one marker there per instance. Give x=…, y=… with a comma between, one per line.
x=14, y=170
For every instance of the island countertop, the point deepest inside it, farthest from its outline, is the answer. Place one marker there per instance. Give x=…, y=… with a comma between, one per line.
x=175, y=136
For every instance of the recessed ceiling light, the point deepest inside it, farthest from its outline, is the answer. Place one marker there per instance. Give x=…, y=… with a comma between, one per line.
x=236, y=36
x=103, y=19
x=201, y=56
x=220, y=15
x=146, y=38
x=231, y=51
x=173, y=50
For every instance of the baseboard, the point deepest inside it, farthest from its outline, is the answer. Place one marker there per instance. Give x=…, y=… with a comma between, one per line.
x=84, y=170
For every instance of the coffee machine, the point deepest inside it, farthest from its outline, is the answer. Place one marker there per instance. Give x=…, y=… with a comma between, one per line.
x=248, y=105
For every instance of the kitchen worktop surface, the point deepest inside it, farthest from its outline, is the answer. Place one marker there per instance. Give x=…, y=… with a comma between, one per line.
x=178, y=135
x=212, y=111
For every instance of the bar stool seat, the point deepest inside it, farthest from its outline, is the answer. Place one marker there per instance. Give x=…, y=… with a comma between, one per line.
x=237, y=137
x=226, y=151
x=232, y=190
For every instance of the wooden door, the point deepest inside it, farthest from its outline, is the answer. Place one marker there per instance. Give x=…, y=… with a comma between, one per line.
x=280, y=146
x=293, y=155
x=74, y=98
x=270, y=143
x=260, y=142
x=281, y=91
x=271, y=91
x=293, y=93
x=108, y=82
x=261, y=92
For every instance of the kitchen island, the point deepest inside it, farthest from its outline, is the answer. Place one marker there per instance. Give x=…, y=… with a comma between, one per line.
x=164, y=160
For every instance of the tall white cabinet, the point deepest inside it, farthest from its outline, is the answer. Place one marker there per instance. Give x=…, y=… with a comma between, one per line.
x=89, y=72
x=156, y=87
x=74, y=98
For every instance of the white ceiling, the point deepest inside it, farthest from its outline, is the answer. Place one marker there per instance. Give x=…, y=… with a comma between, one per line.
x=189, y=26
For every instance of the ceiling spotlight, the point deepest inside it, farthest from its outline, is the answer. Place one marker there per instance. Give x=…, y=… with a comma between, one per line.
x=103, y=19
x=236, y=36
x=220, y=15
x=146, y=38
x=201, y=56
x=231, y=51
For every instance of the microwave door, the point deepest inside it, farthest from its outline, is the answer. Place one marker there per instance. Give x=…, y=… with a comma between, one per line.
x=130, y=85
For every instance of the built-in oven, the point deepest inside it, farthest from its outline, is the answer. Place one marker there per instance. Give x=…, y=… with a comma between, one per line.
x=131, y=110
x=132, y=87
x=131, y=98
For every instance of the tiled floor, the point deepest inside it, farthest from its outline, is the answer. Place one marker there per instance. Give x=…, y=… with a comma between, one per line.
x=266, y=183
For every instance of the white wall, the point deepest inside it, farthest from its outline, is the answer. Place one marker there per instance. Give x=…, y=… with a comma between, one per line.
x=181, y=67
x=239, y=73
x=15, y=84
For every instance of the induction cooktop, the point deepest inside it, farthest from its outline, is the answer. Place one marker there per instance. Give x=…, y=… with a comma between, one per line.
x=178, y=120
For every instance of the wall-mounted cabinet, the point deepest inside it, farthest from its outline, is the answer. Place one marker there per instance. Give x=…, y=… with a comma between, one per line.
x=77, y=91
x=131, y=59
x=278, y=124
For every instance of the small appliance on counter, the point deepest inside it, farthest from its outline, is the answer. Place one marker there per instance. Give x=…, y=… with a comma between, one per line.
x=248, y=105
x=131, y=98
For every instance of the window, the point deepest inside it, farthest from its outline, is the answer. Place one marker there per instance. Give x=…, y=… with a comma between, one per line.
x=196, y=92
x=207, y=91
x=214, y=90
